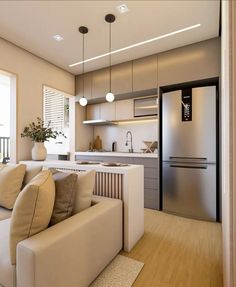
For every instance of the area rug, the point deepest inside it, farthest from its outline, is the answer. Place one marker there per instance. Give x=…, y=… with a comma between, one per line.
x=121, y=272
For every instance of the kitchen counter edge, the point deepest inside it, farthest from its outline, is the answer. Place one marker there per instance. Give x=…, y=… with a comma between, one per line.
x=118, y=154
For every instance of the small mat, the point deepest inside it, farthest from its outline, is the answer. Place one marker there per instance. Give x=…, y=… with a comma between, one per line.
x=121, y=272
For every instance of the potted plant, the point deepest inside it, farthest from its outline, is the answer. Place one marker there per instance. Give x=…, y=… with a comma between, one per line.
x=40, y=132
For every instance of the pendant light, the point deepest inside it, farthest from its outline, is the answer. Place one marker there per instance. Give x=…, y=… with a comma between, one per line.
x=83, y=101
x=110, y=18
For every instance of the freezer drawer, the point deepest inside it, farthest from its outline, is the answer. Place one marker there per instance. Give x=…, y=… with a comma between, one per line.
x=189, y=190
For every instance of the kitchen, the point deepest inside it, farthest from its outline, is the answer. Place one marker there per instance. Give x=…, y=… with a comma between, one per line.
x=134, y=81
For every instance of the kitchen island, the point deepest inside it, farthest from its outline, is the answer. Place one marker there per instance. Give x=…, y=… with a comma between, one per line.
x=151, y=170
x=122, y=182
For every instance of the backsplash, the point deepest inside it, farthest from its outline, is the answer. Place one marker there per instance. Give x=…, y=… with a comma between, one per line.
x=141, y=131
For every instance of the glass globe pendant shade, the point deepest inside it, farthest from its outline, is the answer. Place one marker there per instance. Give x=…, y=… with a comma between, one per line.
x=110, y=97
x=83, y=101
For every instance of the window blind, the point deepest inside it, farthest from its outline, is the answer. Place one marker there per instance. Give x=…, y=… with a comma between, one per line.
x=54, y=108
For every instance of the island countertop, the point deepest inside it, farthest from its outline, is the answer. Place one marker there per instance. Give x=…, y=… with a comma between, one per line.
x=118, y=154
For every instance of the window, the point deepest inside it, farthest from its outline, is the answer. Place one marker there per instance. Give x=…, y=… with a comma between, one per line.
x=56, y=111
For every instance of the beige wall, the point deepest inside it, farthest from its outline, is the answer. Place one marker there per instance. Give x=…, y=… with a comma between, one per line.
x=32, y=73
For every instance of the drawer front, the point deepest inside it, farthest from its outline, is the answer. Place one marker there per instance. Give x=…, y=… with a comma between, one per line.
x=152, y=183
x=151, y=198
x=147, y=162
x=150, y=172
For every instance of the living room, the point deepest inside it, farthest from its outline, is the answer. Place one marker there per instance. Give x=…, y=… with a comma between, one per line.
x=110, y=76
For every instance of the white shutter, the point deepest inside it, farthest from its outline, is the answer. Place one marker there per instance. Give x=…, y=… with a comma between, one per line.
x=54, y=109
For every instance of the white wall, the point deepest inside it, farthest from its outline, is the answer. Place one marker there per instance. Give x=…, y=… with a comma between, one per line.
x=141, y=131
x=32, y=73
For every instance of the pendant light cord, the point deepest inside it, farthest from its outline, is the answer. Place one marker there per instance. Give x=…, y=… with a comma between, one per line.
x=110, y=57
x=83, y=65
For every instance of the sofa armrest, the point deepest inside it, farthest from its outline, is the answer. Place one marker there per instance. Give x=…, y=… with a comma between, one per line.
x=73, y=252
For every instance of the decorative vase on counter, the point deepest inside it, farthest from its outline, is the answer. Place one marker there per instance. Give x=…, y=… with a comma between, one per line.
x=39, y=152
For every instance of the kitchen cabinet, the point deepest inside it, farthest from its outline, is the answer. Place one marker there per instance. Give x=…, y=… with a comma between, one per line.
x=100, y=83
x=108, y=111
x=121, y=78
x=151, y=175
x=87, y=86
x=189, y=63
x=124, y=110
x=145, y=73
x=93, y=112
x=104, y=111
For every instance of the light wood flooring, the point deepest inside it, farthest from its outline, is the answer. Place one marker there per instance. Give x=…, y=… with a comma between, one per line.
x=178, y=252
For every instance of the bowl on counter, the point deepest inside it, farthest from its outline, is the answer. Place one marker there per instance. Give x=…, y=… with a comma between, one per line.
x=114, y=164
x=87, y=162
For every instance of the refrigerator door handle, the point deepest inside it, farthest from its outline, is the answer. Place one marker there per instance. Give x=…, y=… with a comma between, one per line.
x=189, y=166
x=188, y=159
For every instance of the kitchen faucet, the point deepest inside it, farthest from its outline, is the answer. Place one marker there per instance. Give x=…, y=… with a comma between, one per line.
x=131, y=141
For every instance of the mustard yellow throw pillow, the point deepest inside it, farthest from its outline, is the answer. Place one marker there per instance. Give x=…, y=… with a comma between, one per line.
x=32, y=210
x=11, y=178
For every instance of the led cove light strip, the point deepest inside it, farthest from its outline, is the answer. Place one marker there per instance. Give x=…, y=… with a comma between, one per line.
x=138, y=44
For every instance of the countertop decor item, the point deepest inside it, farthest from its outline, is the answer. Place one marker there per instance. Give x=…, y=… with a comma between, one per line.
x=39, y=132
x=150, y=146
x=83, y=101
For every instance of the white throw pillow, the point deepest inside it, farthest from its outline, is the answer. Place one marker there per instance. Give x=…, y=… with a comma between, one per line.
x=32, y=210
x=84, y=192
x=11, y=178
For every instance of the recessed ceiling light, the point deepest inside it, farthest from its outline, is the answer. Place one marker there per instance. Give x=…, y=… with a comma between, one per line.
x=122, y=8
x=139, y=44
x=57, y=38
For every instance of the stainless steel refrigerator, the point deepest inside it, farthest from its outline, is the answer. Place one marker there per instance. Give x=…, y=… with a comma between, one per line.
x=189, y=152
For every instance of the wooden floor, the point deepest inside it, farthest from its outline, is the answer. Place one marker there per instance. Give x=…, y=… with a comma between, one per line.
x=178, y=252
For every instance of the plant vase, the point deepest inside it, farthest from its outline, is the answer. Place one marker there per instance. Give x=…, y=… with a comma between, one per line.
x=39, y=152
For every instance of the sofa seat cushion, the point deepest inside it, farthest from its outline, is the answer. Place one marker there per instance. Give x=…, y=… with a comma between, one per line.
x=4, y=213
x=7, y=270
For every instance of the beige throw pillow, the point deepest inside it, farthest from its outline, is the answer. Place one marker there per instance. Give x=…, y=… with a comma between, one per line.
x=84, y=192
x=31, y=172
x=32, y=211
x=65, y=184
x=11, y=178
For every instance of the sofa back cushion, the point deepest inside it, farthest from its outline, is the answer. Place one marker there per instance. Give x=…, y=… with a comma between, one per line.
x=32, y=211
x=30, y=173
x=11, y=178
x=65, y=184
x=84, y=190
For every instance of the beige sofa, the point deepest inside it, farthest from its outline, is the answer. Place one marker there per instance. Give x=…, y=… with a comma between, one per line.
x=71, y=253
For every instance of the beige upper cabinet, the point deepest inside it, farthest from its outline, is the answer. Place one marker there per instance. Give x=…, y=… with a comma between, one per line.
x=121, y=78
x=93, y=112
x=124, y=110
x=87, y=86
x=189, y=63
x=100, y=83
x=108, y=111
x=145, y=73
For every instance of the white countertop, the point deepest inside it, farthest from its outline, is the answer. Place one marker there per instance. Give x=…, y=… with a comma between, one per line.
x=74, y=165
x=118, y=154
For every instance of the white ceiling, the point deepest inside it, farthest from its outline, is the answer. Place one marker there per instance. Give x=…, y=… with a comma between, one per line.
x=31, y=25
